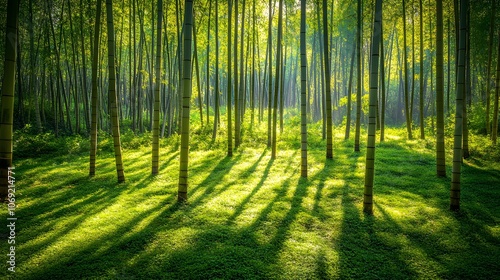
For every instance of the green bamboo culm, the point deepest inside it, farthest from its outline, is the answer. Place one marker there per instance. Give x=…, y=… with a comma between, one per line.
x=358, y=78
x=457, y=144
x=186, y=98
x=229, y=84
x=440, y=147
x=303, y=89
x=277, y=78
x=156, y=110
x=113, y=101
x=94, y=95
x=7, y=110
x=372, y=119
x=328, y=89
x=494, y=131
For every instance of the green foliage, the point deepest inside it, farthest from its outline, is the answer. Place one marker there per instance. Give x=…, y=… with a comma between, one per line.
x=28, y=145
x=449, y=125
x=477, y=118
x=132, y=141
x=481, y=148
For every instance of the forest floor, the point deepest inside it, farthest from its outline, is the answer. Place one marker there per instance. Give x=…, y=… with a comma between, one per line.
x=250, y=217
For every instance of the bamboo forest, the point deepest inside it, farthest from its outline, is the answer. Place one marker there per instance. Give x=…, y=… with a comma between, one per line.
x=250, y=139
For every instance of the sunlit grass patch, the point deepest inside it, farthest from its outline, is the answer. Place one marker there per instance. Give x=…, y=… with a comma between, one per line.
x=248, y=216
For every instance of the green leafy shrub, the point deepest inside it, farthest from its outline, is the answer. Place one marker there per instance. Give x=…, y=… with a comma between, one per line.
x=132, y=141
x=477, y=119
x=29, y=145
x=482, y=147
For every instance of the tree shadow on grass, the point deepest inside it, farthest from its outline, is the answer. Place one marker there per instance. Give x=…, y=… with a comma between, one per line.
x=226, y=251
x=168, y=241
x=322, y=175
x=210, y=183
x=283, y=228
x=342, y=167
x=413, y=172
x=144, y=181
x=211, y=251
x=131, y=246
x=239, y=209
x=87, y=260
x=362, y=254
x=426, y=240
x=47, y=222
x=464, y=249
x=44, y=224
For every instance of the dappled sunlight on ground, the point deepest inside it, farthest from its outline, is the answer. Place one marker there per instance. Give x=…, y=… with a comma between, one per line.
x=252, y=217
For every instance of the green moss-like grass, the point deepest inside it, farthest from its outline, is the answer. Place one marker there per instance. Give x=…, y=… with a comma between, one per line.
x=249, y=217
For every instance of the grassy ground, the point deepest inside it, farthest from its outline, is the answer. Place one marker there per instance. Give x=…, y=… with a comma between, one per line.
x=250, y=217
